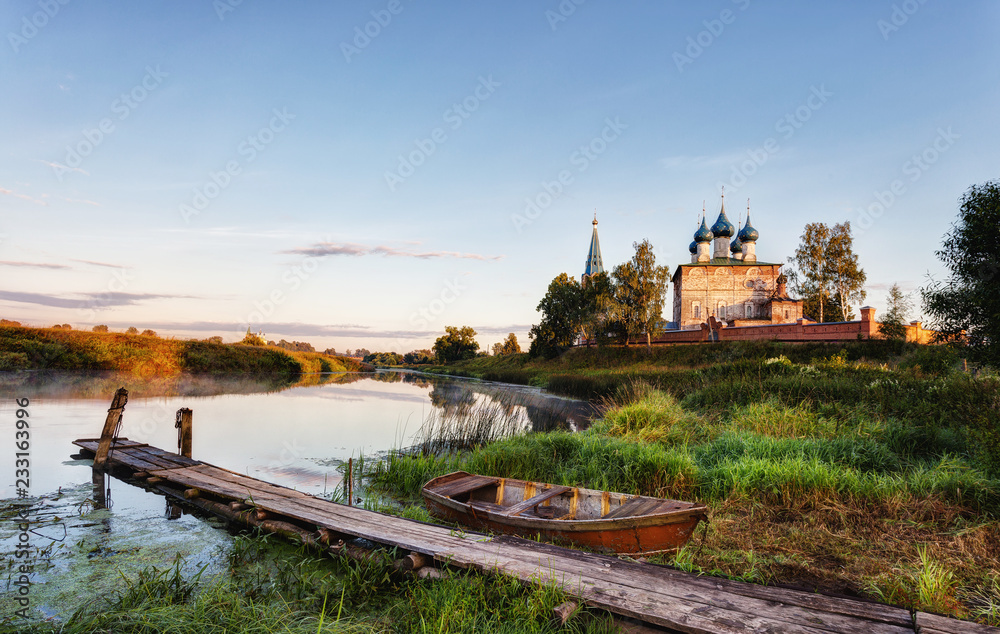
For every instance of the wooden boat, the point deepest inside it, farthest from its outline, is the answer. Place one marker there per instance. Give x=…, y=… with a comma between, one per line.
x=601, y=520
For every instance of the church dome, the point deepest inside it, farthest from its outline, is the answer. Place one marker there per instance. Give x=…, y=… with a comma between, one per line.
x=736, y=246
x=748, y=233
x=693, y=248
x=702, y=234
x=722, y=226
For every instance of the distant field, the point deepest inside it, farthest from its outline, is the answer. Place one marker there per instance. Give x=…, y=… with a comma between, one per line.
x=24, y=348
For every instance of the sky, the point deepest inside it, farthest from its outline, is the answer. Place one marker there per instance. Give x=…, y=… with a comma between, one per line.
x=363, y=174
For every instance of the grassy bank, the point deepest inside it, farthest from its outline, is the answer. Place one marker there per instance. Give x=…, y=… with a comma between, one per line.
x=273, y=587
x=140, y=355
x=872, y=471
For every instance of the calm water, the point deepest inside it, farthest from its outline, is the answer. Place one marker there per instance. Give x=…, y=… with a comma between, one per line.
x=296, y=436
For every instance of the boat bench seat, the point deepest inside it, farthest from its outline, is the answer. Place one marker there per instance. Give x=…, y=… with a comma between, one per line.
x=532, y=502
x=465, y=485
x=479, y=505
x=642, y=506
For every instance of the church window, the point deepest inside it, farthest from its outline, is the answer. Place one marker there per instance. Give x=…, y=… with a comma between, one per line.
x=721, y=312
x=786, y=313
x=696, y=310
x=749, y=309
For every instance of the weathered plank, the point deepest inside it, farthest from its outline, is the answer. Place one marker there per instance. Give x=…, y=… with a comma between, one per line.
x=645, y=582
x=934, y=624
x=466, y=485
x=850, y=607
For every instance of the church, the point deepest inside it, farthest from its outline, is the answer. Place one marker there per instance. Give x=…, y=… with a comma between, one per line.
x=724, y=279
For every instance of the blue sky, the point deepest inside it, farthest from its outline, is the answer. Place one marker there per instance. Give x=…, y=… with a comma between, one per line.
x=198, y=167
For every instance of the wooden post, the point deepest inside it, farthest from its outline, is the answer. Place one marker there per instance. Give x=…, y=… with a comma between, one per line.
x=100, y=486
x=110, y=425
x=183, y=426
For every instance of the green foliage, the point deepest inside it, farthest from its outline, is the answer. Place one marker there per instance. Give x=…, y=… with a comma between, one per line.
x=898, y=306
x=456, y=344
x=418, y=357
x=564, y=309
x=383, y=359
x=508, y=346
x=827, y=274
x=640, y=287
x=966, y=306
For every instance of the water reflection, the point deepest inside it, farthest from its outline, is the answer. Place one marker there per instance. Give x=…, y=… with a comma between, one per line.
x=297, y=434
x=291, y=433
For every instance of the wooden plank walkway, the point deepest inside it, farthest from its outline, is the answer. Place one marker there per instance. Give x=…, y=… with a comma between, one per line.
x=653, y=594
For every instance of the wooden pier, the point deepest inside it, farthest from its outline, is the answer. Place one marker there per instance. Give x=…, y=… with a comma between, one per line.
x=652, y=594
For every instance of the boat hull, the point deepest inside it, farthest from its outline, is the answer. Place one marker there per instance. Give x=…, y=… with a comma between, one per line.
x=658, y=531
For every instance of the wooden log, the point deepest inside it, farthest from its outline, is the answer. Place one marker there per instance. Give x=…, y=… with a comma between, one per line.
x=562, y=613
x=262, y=515
x=429, y=572
x=289, y=531
x=140, y=475
x=413, y=561
x=183, y=425
x=154, y=480
x=110, y=425
x=191, y=493
x=239, y=506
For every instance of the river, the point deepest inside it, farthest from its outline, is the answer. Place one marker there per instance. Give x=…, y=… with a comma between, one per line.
x=296, y=435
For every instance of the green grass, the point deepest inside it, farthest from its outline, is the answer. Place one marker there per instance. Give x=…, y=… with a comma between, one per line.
x=869, y=468
x=272, y=587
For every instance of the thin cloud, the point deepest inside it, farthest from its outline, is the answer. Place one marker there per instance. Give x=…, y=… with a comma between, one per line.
x=323, y=249
x=60, y=166
x=104, y=264
x=275, y=330
x=37, y=265
x=86, y=300
x=9, y=192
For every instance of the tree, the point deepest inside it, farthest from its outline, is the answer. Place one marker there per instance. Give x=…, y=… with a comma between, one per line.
x=416, y=357
x=456, y=344
x=101, y=328
x=132, y=330
x=213, y=339
x=563, y=311
x=148, y=333
x=600, y=310
x=640, y=288
x=827, y=273
x=332, y=352
x=898, y=306
x=508, y=346
x=966, y=304
x=847, y=279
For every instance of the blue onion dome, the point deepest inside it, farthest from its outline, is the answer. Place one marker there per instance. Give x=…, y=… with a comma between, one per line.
x=736, y=246
x=703, y=234
x=723, y=227
x=748, y=233
x=693, y=248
